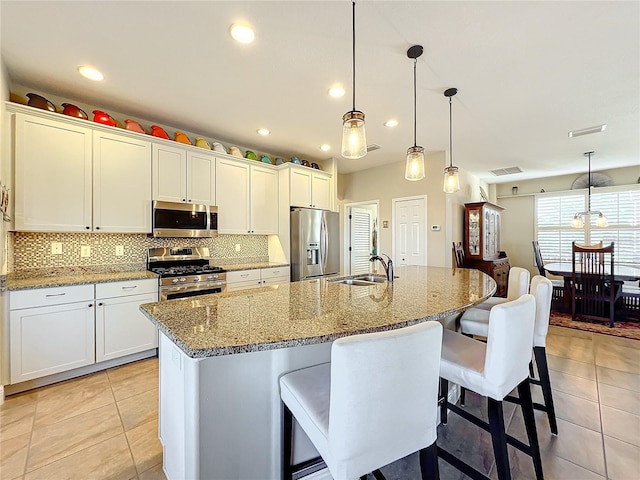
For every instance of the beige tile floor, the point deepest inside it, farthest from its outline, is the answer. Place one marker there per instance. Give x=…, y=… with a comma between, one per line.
x=101, y=426
x=104, y=426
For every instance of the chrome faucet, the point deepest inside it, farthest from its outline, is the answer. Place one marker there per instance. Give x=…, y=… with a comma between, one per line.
x=388, y=265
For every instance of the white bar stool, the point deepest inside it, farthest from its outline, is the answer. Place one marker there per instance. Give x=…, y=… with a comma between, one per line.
x=518, y=285
x=542, y=290
x=494, y=369
x=376, y=402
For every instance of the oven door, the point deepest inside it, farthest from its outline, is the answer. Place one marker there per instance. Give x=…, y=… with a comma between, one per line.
x=181, y=220
x=171, y=292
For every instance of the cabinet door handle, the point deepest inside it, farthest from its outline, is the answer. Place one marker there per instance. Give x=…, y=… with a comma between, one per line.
x=91, y=305
x=88, y=228
x=100, y=304
x=97, y=228
x=55, y=294
x=189, y=200
x=131, y=287
x=184, y=199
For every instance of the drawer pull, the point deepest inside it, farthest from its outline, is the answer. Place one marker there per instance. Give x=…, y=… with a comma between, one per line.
x=244, y=275
x=131, y=287
x=55, y=294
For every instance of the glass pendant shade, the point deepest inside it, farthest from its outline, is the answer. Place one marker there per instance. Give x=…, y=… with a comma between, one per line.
x=577, y=221
x=415, y=164
x=601, y=221
x=451, y=181
x=354, y=138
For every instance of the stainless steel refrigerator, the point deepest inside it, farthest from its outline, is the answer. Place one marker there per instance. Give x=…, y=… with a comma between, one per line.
x=315, y=243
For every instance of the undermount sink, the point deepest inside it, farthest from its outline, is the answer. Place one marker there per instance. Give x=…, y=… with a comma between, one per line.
x=361, y=280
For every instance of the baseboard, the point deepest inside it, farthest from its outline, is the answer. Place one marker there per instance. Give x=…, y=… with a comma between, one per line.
x=77, y=372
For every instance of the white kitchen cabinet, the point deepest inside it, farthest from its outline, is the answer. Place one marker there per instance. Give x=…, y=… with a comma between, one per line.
x=52, y=175
x=70, y=178
x=309, y=188
x=121, y=329
x=182, y=176
x=121, y=184
x=52, y=338
x=247, y=198
x=258, y=277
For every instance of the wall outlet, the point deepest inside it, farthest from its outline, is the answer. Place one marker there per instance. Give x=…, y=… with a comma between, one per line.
x=435, y=228
x=237, y=247
x=119, y=250
x=56, y=248
x=85, y=251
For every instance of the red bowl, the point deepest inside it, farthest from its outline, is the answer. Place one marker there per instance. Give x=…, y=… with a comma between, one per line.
x=102, y=117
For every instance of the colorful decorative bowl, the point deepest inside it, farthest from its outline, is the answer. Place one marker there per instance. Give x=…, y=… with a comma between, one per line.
x=265, y=159
x=218, y=147
x=133, y=126
x=73, y=111
x=181, y=137
x=39, y=101
x=235, y=151
x=103, y=117
x=295, y=160
x=250, y=155
x=159, y=132
x=202, y=143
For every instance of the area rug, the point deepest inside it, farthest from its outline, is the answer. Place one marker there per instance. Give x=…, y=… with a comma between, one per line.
x=620, y=329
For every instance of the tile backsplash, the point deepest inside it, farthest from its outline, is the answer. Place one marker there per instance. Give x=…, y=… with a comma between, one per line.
x=33, y=250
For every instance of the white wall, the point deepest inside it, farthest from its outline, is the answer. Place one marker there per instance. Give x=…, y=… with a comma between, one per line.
x=5, y=163
x=387, y=182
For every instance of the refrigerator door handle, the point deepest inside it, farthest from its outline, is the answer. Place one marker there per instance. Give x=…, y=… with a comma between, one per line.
x=325, y=242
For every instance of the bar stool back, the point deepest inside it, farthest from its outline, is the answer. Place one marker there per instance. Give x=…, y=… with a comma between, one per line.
x=376, y=402
x=493, y=370
x=518, y=285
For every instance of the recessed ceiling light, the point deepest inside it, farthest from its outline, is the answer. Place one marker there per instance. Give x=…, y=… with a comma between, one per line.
x=263, y=131
x=325, y=147
x=90, y=73
x=242, y=33
x=391, y=123
x=336, y=92
x=587, y=131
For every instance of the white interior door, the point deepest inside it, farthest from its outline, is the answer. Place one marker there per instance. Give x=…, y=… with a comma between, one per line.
x=410, y=242
x=360, y=234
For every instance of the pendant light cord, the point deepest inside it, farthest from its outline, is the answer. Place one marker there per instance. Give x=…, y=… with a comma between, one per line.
x=589, y=209
x=415, y=115
x=353, y=30
x=450, y=137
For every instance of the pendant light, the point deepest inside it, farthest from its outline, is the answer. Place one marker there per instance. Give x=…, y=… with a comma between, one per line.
x=354, y=139
x=451, y=180
x=415, y=155
x=578, y=218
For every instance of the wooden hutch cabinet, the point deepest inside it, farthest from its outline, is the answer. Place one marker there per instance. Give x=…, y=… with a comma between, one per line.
x=482, y=243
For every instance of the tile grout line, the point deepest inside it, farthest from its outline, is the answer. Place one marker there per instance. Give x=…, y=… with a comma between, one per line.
x=26, y=457
x=604, y=450
x=124, y=431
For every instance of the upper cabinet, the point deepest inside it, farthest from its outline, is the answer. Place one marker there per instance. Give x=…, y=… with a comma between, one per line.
x=247, y=198
x=309, y=188
x=183, y=176
x=69, y=178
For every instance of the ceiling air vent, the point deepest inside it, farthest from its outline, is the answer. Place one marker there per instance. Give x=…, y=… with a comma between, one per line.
x=373, y=146
x=505, y=171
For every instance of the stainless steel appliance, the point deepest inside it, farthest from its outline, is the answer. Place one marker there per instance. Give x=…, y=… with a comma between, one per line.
x=315, y=243
x=184, y=220
x=185, y=272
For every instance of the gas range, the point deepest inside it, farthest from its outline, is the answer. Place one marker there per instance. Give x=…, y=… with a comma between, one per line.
x=185, y=272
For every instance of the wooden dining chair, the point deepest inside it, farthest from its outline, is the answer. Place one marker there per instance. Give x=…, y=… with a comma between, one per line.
x=593, y=290
x=458, y=253
x=557, y=299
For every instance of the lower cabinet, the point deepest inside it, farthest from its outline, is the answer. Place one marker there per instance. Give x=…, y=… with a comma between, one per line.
x=498, y=269
x=259, y=277
x=121, y=329
x=53, y=330
x=51, y=339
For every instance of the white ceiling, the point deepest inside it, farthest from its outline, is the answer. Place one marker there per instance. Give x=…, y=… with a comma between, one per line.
x=526, y=73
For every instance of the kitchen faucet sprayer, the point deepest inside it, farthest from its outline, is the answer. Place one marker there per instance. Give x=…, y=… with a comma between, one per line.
x=388, y=265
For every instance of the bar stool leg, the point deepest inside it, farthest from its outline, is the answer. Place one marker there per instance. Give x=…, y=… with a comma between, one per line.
x=499, y=438
x=444, y=405
x=524, y=392
x=543, y=371
x=429, y=462
x=287, y=440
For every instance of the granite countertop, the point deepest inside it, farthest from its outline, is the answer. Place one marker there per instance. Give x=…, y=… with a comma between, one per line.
x=250, y=266
x=60, y=277
x=314, y=311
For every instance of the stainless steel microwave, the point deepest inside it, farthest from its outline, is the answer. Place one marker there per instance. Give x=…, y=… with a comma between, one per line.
x=184, y=220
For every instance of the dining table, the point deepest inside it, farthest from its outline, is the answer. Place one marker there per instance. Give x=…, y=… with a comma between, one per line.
x=626, y=272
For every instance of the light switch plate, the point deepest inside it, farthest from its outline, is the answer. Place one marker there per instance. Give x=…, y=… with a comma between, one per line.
x=119, y=250
x=237, y=247
x=85, y=251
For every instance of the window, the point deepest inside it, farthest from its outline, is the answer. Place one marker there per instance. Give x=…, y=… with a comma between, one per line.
x=621, y=206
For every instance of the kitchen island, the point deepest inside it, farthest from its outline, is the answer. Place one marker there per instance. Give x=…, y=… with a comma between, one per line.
x=221, y=356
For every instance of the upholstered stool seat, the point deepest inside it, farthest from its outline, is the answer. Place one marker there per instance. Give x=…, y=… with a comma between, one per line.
x=376, y=402
x=493, y=370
